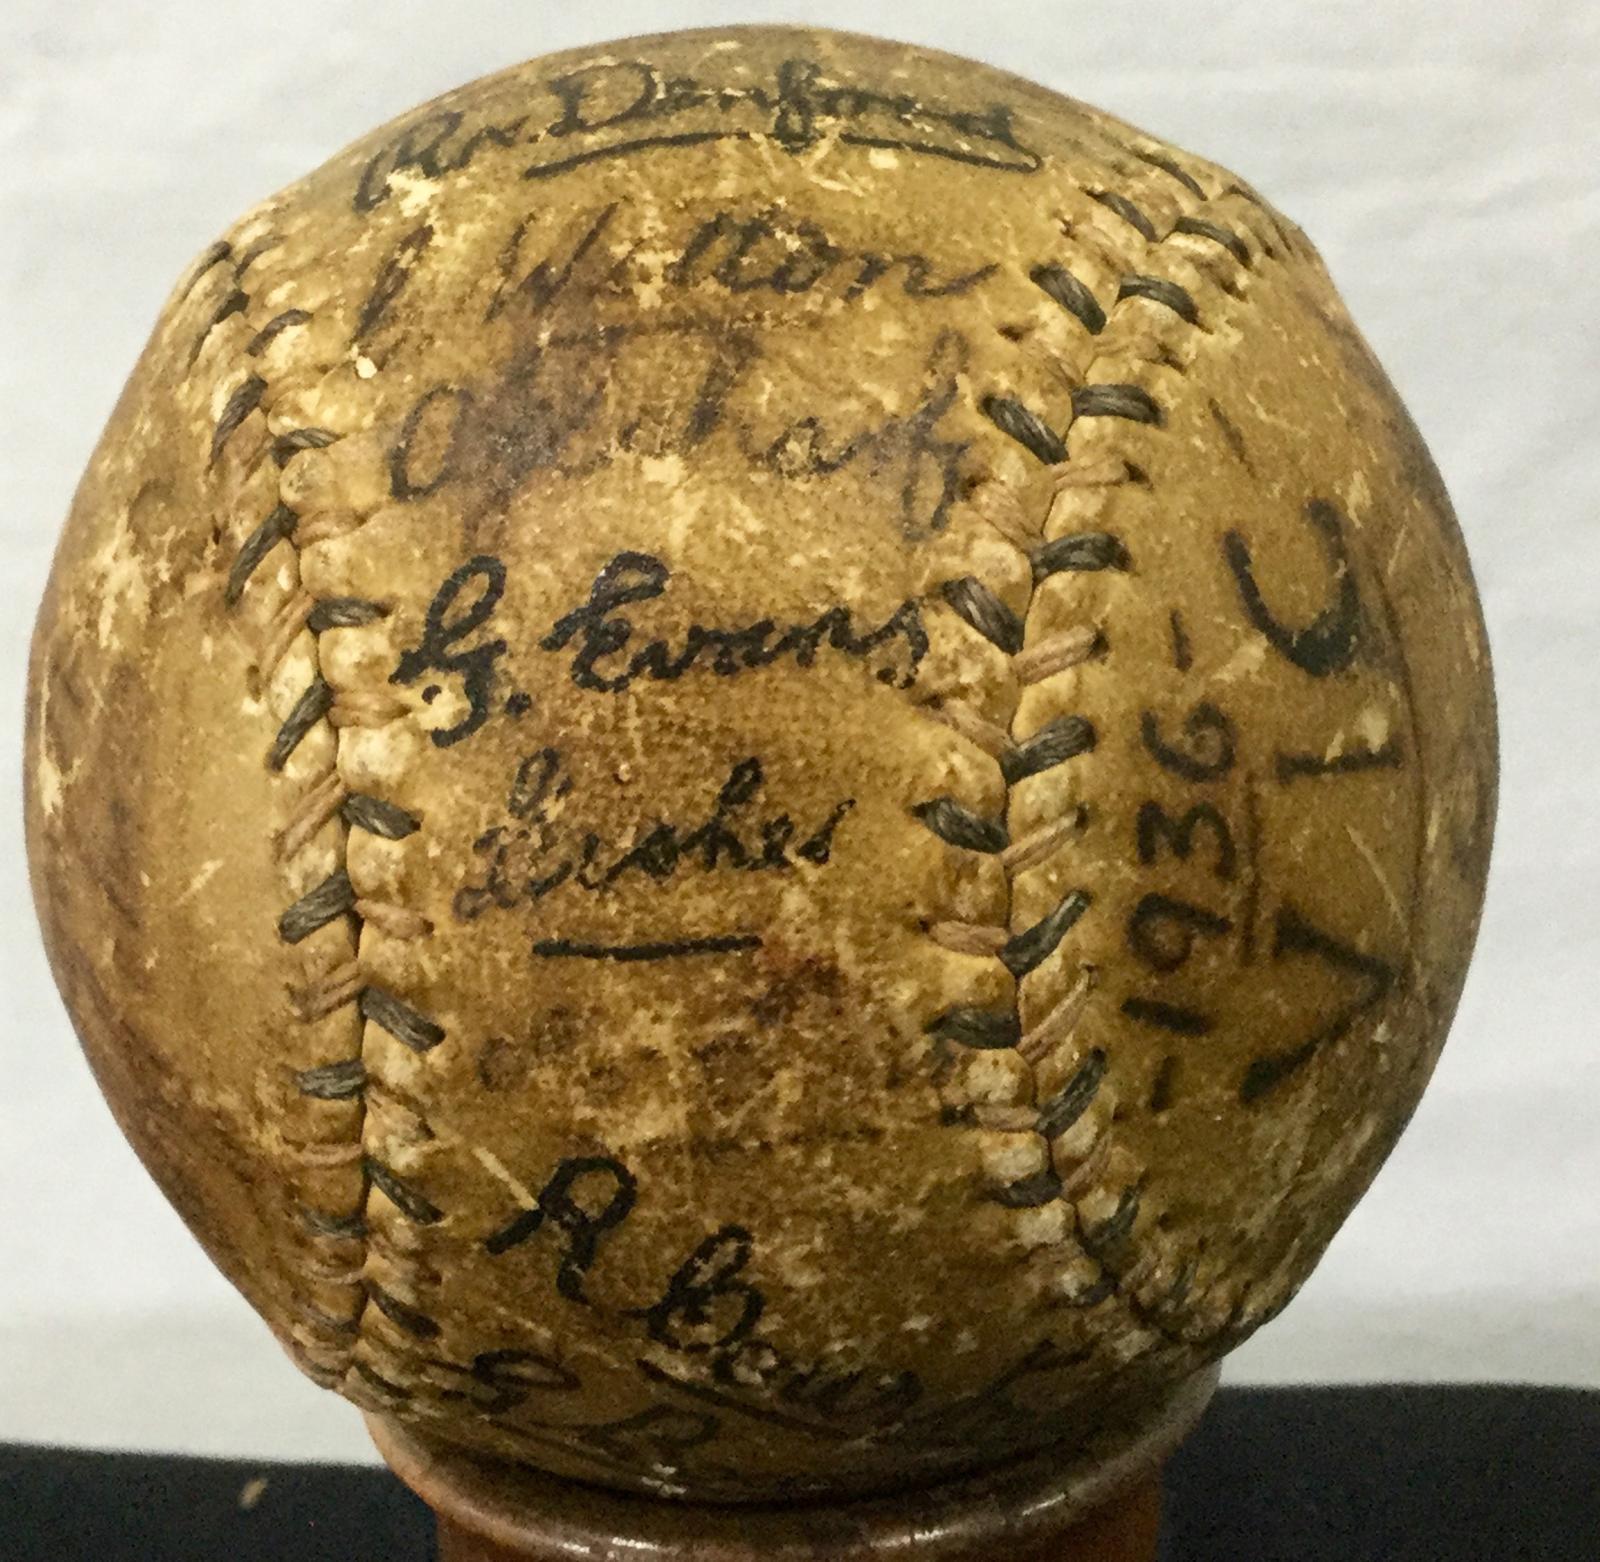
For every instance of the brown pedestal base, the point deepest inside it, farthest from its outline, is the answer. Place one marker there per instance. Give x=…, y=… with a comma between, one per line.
x=1124, y=1531
x=1043, y=1510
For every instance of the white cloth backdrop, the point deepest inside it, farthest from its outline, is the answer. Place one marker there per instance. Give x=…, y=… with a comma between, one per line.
x=1443, y=155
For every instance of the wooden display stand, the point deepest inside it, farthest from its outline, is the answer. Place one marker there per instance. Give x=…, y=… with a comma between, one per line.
x=1043, y=1510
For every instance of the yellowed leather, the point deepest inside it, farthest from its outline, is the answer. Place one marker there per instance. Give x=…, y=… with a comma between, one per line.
x=649, y=1093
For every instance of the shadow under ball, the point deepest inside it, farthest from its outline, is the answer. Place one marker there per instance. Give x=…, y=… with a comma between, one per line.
x=760, y=765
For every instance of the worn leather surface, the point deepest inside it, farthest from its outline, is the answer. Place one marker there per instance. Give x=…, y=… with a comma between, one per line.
x=759, y=762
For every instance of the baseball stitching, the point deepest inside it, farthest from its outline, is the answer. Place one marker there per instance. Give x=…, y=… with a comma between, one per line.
x=342, y=1240
x=1063, y=740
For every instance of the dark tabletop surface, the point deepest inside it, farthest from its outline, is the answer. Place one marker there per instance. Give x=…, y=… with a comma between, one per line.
x=1277, y=1475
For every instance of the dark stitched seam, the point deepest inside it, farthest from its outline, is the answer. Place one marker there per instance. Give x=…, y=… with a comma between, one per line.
x=343, y=1079
x=1065, y=738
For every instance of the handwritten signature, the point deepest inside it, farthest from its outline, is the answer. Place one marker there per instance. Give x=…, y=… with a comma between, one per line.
x=537, y=851
x=607, y=655
x=628, y=107
x=574, y=402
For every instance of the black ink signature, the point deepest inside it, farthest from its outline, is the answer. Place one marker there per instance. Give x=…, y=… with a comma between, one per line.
x=500, y=1383
x=707, y=1345
x=709, y=1314
x=765, y=255
x=474, y=665
x=623, y=108
x=573, y=403
x=1331, y=641
x=539, y=849
x=607, y=659
x=582, y=1226
x=706, y=1315
x=601, y=636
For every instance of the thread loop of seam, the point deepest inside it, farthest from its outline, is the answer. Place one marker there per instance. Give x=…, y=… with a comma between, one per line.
x=1093, y=481
x=328, y=1345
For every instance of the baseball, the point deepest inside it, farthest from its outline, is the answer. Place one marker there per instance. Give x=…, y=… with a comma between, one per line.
x=761, y=764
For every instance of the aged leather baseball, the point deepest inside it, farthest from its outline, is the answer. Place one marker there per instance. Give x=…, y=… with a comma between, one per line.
x=760, y=763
